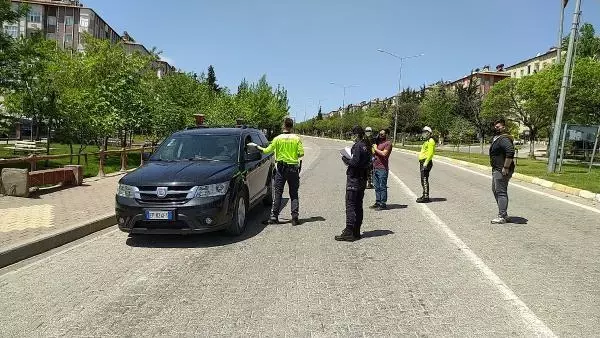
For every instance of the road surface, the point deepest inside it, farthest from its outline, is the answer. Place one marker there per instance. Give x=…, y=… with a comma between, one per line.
x=439, y=269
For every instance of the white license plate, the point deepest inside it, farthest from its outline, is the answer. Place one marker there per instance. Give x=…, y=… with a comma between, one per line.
x=159, y=215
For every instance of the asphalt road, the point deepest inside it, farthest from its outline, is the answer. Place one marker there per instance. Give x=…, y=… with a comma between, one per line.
x=439, y=269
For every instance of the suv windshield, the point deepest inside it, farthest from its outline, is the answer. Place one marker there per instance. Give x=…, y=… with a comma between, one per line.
x=188, y=147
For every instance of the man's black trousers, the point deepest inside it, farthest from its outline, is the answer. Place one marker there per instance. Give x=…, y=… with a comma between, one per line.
x=354, y=207
x=290, y=174
x=425, y=170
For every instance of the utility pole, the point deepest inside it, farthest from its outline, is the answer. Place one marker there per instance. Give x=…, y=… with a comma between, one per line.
x=401, y=58
x=563, y=91
x=563, y=4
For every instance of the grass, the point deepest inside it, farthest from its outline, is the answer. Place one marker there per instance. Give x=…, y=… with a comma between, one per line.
x=572, y=175
x=112, y=162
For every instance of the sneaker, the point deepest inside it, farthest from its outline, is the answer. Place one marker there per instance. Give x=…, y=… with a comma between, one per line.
x=295, y=221
x=374, y=206
x=499, y=220
x=370, y=186
x=423, y=199
x=381, y=207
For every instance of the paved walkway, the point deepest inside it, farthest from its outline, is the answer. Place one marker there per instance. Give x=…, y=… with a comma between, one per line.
x=26, y=218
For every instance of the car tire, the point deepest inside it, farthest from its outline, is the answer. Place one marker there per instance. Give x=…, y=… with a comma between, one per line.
x=268, y=199
x=239, y=218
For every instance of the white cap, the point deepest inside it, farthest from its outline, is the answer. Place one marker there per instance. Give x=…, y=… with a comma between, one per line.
x=428, y=129
x=368, y=129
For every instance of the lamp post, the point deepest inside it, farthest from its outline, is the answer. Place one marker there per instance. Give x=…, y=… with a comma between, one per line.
x=344, y=87
x=310, y=100
x=401, y=58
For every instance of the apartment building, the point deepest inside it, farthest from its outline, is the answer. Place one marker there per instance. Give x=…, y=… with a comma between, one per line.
x=534, y=64
x=64, y=21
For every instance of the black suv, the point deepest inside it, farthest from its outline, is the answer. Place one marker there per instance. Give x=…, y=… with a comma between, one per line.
x=199, y=180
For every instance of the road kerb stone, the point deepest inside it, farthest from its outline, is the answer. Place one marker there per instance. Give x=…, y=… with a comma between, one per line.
x=36, y=246
x=587, y=194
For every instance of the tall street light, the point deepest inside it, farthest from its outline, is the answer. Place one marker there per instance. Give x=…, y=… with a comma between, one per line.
x=343, y=86
x=310, y=100
x=402, y=59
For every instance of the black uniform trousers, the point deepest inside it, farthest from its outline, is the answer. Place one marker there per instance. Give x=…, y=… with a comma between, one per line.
x=425, y=170
x=290, y=174
x=355, y=193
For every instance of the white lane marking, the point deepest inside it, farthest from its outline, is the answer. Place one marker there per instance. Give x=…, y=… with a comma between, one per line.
x=583, y=206
x=38, y=262
x=531, y=321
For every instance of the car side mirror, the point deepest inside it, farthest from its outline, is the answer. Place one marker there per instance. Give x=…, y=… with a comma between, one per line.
x=253, y=155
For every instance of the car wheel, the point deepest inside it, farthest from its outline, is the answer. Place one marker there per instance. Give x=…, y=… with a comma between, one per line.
x=268, y=199
x=238, y=221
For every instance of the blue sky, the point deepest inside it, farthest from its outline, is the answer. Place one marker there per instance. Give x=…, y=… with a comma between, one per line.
x=306, y=44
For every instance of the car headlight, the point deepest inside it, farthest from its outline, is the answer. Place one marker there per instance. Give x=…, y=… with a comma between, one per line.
x=125, y=190
x=212, y=190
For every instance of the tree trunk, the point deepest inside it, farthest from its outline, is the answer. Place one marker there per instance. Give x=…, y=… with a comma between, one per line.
x=71, y=150
x=532, y=134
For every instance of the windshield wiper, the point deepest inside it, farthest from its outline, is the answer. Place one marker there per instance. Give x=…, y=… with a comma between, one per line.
x=198, y=158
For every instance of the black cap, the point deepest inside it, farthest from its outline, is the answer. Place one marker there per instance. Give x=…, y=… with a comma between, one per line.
x=358, y=130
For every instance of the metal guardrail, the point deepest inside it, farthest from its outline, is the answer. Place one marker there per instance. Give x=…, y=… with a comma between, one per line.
x=33, y=159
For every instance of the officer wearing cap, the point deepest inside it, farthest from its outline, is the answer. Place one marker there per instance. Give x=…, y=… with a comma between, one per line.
x=369, y=141
x=356, y=182
x=288, y=150
x=426, y=163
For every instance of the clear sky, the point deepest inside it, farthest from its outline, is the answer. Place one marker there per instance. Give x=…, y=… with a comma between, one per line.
x=306, y=44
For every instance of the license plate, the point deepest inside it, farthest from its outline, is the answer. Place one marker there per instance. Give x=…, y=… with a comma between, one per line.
x=159, y=215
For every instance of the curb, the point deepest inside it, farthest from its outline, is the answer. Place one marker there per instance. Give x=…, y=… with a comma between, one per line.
x=529, y=179
x=41, y=244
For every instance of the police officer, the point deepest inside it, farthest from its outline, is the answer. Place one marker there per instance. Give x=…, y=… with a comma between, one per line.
x=356, y=182
x=288, y=151
x=369, y=141
x=426, y=163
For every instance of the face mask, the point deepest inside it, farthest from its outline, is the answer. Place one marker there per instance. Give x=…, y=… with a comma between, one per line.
x=498, y=131
x=382, y=137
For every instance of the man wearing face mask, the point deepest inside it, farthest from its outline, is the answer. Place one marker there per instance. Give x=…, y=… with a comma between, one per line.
x=502, y=153
x=426, y=163
x=382, y=152
x=356, y=182
x=369, y=141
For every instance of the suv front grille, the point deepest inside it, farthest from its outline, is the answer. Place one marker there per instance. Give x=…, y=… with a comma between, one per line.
x=174, y=194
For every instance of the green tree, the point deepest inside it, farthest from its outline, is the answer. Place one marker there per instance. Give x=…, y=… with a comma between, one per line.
x=212, y=79
x=588, y=44
x=438, y=110
x=469, y=107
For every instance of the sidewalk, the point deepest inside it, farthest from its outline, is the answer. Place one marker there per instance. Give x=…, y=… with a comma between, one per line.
x=24, y=219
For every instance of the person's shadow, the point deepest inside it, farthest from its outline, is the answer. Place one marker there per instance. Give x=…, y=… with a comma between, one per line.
x=517, y=220
x=376, y=233
x=396, y=206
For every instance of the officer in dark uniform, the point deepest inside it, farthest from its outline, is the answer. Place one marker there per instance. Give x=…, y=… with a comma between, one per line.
x=356, y=182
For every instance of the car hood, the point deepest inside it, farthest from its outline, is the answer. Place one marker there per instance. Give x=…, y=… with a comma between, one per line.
x=180, y=173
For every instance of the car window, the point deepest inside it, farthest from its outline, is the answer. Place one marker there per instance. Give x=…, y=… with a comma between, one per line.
x=256, y=139
x=188, y=147
x=264, y=139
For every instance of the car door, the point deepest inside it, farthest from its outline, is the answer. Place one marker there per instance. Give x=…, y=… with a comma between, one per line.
x=264, y=165
x=252, y=169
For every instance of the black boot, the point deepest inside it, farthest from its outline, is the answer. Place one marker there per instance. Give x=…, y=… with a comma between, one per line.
x=272, y=221
x=356, y=233
x=423, y=199
x=295, y=221
x=346, y=236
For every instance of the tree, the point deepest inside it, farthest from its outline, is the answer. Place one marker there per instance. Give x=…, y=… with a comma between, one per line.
x=319, y=115
x=469, y=107
x=212, y=79
x=438, y=110
x=588, y=44
x=8, y=56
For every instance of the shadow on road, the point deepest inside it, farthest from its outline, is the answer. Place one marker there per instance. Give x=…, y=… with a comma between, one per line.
x=213, y=239
x=396, y=206
x=517, y=220
x=37, y=193
x=437, y=199
x=377, y=233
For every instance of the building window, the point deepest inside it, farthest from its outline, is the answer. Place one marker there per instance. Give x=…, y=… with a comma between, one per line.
x=528, y=69
x=68, y=41
x=68, y=21
x=12, y=31
x=522, y=72
x=51, y=36
x=51, y=21
x=35, y=16
x=84, y=21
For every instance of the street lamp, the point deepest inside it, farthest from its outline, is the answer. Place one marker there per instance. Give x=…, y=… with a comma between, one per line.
x=401, y=58
x=344, y=87
x=310, y=100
